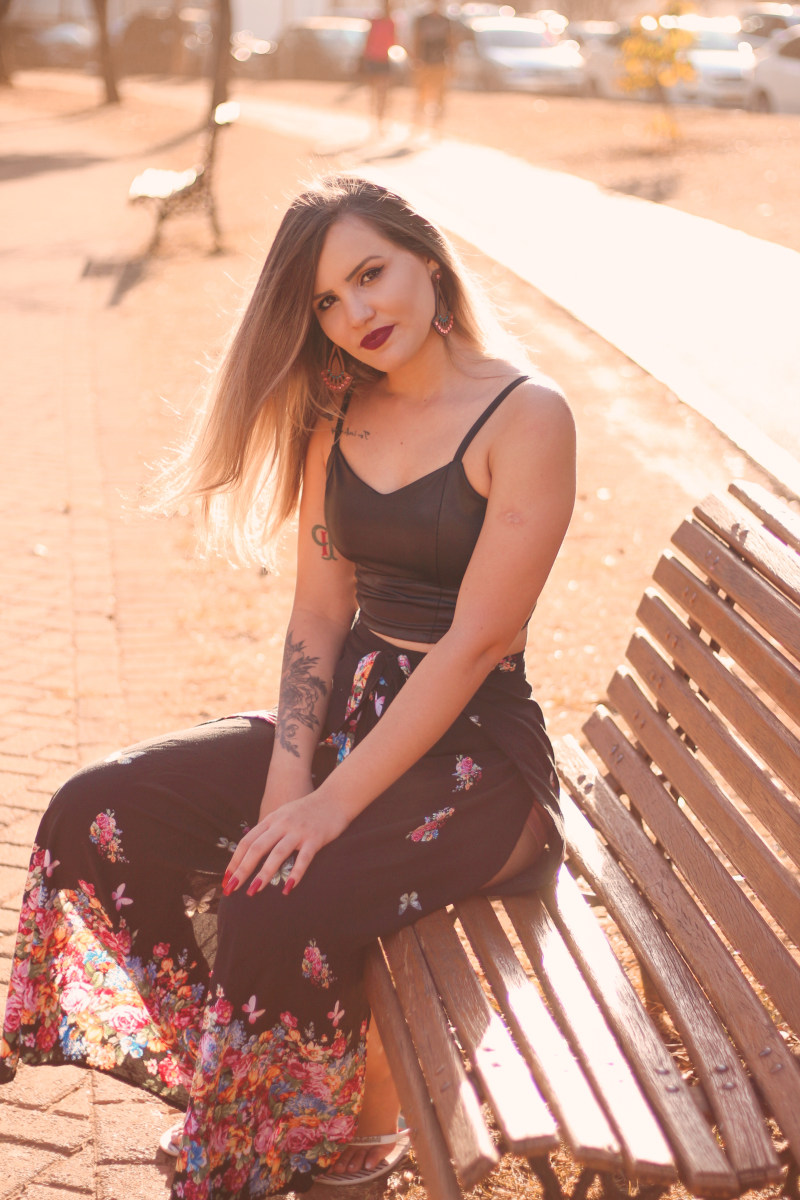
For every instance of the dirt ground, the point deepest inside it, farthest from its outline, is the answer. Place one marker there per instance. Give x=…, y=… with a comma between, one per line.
x=644, y=457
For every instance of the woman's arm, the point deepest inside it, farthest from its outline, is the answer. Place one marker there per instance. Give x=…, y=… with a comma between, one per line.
x=532, y=465
x=322, y=612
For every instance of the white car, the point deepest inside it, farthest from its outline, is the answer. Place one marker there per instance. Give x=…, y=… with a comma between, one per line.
x=720, y=57
x=774, y=78
x=516, y=53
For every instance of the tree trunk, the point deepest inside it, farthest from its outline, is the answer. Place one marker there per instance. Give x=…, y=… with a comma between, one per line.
x=221, y=57
x=5, y=57
x=107, y=71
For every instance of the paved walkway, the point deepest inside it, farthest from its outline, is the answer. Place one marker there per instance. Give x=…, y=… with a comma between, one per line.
x=111, y=629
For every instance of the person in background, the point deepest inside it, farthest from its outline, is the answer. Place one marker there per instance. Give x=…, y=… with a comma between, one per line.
x=433, y=41
x=376, y=64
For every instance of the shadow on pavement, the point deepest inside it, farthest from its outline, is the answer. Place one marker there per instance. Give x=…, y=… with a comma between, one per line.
x=126, y=272
x=23, y=166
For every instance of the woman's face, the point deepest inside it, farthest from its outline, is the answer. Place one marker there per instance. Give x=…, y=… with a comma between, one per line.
x=371, y=297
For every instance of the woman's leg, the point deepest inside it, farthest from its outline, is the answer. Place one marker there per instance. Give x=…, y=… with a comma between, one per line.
x=116, y=932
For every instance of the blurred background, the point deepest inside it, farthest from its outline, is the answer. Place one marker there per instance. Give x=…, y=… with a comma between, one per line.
x=719, y=52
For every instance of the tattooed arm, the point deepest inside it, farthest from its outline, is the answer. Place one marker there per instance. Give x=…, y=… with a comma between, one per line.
x=323, y=610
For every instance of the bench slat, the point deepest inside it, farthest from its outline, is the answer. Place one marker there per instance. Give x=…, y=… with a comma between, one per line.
x=772, y=741
x=777, y=561
x=457, y=1107
x=778, y=812
x=430, y=1148
x=704, y=1167
x=763, y=663
x=720, y=894
x=648, y=1156
x=760, y=1042
x=521, y=1113
x=764, y=603
x=715, y=1061
x=777, y=516
x=582, y=1122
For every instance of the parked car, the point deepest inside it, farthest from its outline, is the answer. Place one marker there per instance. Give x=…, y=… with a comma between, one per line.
x=62, y=44
x=320, y=48
x=760, y=22
x=721, y=59
x=585, y=32
x=163, y=41
x=516, y=53
x=719, y=56
x=774, y=78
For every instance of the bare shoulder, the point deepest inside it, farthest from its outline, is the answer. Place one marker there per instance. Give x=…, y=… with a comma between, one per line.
x=536, y=409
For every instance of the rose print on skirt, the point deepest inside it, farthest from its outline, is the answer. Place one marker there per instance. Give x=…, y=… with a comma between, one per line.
x=315, y=966
x=467, y=773
x=430, y=829
x=107, y=836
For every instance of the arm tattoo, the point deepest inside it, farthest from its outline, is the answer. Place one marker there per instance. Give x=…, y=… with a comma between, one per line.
x=320, y=537
x=299, y=693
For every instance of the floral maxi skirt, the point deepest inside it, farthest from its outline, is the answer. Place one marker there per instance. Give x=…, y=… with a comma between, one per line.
x=249, y=1012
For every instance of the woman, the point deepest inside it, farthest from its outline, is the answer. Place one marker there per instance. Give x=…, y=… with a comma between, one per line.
x=407, y=765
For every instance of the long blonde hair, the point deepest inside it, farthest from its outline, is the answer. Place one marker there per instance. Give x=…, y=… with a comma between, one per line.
x=245, y=459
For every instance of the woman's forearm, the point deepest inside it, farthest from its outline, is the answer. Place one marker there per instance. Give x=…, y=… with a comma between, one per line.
x=423, y=710
x=311, y=650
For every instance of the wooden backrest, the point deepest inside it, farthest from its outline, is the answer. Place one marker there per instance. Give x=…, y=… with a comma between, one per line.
x=699, y=797
x=711, y=701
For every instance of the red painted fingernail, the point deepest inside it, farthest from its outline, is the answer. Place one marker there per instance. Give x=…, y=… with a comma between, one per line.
x=225, y=879
x=231, y=885
x=255, y=886
x=288, y=887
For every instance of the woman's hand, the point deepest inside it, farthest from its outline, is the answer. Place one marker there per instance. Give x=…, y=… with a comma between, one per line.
x=300, y=827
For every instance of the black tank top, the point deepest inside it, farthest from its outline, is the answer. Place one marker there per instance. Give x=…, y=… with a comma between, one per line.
x=411, y=547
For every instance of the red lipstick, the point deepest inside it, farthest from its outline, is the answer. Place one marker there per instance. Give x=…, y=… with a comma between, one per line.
x=376, y=337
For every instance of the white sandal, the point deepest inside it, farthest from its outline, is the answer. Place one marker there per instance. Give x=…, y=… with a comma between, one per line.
x=400, y=1143
x=170, y=1140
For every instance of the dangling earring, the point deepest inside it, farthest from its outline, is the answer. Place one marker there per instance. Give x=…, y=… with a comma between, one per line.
x=443, y=318
x=334, y=376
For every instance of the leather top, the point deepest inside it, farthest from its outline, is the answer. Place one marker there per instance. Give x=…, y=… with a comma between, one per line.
x=411, y=547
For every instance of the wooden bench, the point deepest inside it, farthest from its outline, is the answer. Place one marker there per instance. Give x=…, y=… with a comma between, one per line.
x=645, y=1012
x=177, y=192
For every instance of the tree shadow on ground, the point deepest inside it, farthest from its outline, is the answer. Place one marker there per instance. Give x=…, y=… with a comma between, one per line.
x=658, y=188
x=23, y=166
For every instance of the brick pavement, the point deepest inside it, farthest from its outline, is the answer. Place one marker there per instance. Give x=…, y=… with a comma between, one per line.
x=112, y=630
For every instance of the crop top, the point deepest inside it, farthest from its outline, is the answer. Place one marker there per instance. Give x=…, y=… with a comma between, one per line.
x=411, y=547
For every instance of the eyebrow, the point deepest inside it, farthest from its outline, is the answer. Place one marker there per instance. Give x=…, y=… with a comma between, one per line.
x=347, y=278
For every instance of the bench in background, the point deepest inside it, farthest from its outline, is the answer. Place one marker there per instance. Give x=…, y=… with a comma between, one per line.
x=173, y=193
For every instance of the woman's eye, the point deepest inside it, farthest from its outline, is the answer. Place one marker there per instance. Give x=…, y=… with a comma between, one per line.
x=325, y=303
x=371, y=274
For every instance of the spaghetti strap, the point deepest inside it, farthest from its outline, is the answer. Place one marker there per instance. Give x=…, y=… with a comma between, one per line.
x=337, y=433
x=487, y=412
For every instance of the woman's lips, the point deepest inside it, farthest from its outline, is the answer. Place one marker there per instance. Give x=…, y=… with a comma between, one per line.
x=376, y=337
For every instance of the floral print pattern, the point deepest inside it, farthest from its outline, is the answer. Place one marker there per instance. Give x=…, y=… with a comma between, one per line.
x=467, y=773
x=247, y=1140
x=78, y=994
x=315, y=966
x=509, y=663
x=429, y=830
x=107, y=836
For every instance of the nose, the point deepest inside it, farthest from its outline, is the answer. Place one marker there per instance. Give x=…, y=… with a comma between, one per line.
x=359, y=309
